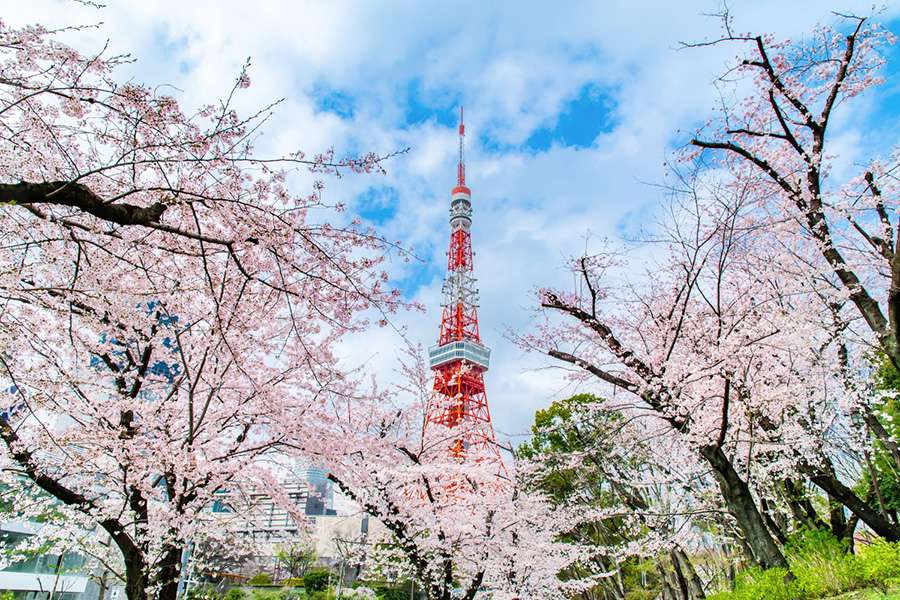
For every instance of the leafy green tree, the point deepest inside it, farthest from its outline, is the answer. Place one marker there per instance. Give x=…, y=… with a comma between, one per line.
x=577, y=461
x=881, y=476
x=235, y=594
x=296, y=558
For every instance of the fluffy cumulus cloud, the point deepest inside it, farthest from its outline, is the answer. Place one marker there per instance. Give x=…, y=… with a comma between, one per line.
x=570, y=107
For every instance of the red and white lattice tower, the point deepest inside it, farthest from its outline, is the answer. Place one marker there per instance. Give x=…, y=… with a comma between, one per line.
x=459, y=359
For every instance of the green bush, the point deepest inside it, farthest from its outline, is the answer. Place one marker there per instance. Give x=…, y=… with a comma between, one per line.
x=203, y=592
x=358, y=593
x=316, y=580
x=293, y=582
x=319, y=595
x=878, y=562
x=755, y=583
x=395, y=593
x=821, y=564
x=290, y=593
x=638, y=594
x=262, y=578
x=264, y=595
x=819, y=542
x=235, y=594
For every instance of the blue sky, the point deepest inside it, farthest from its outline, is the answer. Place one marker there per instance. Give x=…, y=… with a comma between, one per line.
x=569, y=113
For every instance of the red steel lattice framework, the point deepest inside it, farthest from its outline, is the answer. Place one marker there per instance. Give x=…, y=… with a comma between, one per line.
x=459, y=359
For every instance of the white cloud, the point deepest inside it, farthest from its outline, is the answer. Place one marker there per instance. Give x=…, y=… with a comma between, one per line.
x=514, y=66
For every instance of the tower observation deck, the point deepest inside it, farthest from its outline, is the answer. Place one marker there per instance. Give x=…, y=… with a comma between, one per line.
x=459, y=359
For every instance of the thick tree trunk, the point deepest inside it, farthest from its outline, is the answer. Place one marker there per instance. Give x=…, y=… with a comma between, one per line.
x=169, y=572
x=680, y=581
x=774, y=529
x=666, y=590
x=689, y=573
x=836, y=518
x=871, y=517
x=740, y=502
x=852, y=522
x=135, y=577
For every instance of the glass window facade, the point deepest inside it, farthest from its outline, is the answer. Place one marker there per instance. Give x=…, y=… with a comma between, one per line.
x=42, y=563
x=470, y=351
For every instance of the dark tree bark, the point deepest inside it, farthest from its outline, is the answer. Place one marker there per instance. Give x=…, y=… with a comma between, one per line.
x=685, y=569
x=739, y=500
x=770, y=522
x=801, y=508
x=667, y=591
x=135, y=575
x=76, y=195
x=680, y=580
x=169, y=571
x=873, y=518
x=836, y=518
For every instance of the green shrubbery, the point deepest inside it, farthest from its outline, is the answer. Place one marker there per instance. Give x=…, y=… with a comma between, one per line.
x=203, y=592
x=879, y=564
x=754, y=583
x=822, y=567
x=290, y=593
x=360, y=593
x=316, y=580
x=392, y=593
x=387, y=591
x=261, y=579
x=264, y=595
x=821, y=564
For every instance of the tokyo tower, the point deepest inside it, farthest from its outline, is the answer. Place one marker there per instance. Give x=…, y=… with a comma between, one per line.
x=459, y=359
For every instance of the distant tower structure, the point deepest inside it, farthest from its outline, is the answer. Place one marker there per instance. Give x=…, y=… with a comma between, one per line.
x=459, y=359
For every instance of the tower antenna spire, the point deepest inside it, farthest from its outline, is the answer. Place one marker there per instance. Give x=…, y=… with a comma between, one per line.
x=461, y=166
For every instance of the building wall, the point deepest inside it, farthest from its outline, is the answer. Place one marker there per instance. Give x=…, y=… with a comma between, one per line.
x=34, y=578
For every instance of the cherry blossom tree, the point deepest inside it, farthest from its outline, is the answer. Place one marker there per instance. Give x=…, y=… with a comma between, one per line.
x=780, y=131
x=778, y=138
x=744, y=343
x=168, y=307
x=716, y=344
x=454, y=525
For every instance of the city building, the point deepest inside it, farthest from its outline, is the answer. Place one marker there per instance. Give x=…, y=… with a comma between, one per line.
x=321, y=492
x=67, y=576
x=309, y=520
